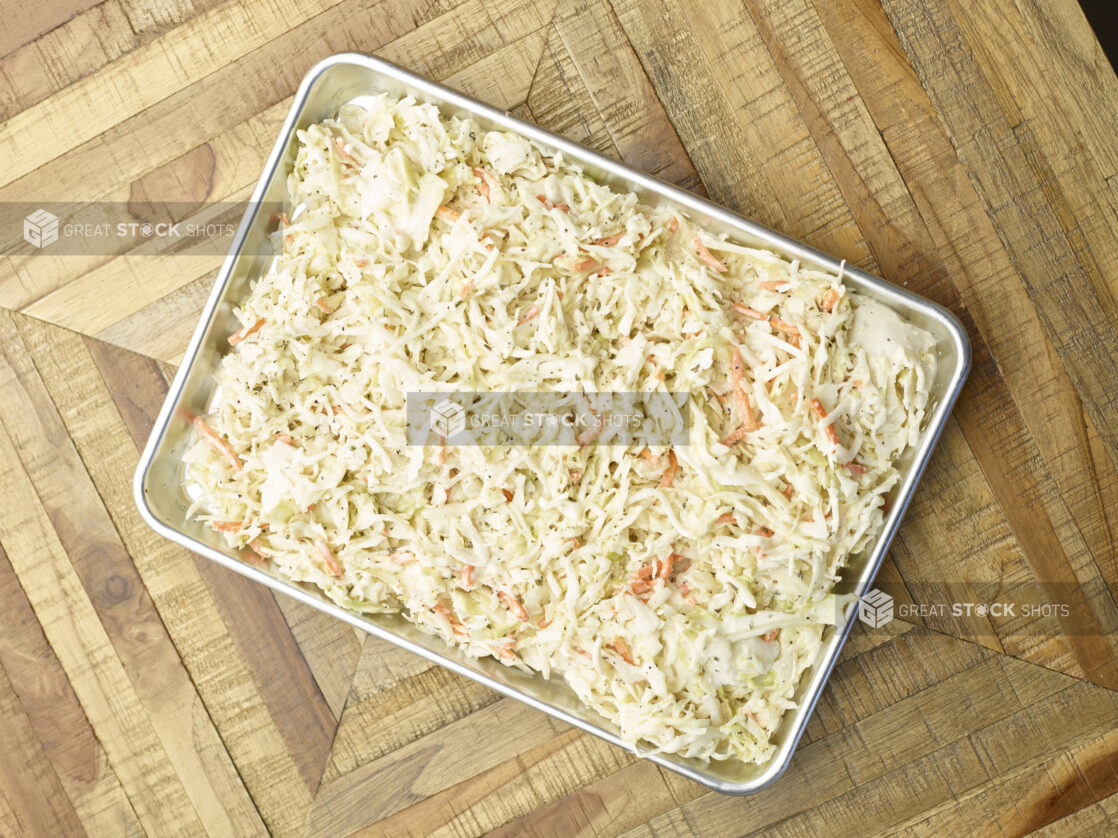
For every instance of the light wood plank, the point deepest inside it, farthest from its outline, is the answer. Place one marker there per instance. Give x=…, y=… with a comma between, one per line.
x=223, y=678
x=56, y=715
x=87, y=654
x=116, y=592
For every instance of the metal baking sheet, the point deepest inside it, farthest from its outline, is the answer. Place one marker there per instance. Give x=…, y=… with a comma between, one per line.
x=159, y=482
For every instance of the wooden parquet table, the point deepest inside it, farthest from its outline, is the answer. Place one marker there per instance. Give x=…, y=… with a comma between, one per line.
x=966, y=150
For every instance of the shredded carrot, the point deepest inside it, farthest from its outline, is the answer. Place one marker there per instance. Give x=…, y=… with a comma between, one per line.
x=226, y=526
x=287, y=439
x=361, y=263
x=483, y=183
x=855, y=468
x=830, y=299
x=328, y=558
x=543, y=622
x=706, y=257
x=324, y=306
x=608, y=241
x=243, y=333
x=547, y=202
x=444, y=611
x=591, y=433
x=741, y=308
x=784, y=326
x=504, y=649
x=765, y=532
x=789, y=491
x=508, y=495
x=466, y=289
x=736, y=436
x=656, y=371
x=668, y=478
x=673, y=225
x=622, y=649
x=832, y=434
x=678, y=564
x=513, y=605
x=256, y=550
x=771, y=285
x=651, y=457
x=341, y=150
x=467, y=575
x=530, y=314
x=726, y=518
x=217, y=442
x=741, y=398
x=771, y=636
x=587, y=265
x=447, y=214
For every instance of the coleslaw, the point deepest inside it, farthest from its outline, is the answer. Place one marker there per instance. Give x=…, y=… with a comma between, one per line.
x=681, y=591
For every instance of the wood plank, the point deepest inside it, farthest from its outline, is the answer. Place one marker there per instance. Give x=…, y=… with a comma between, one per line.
x=57, y=718
x=1067, y=132
x=177, y=313
x=1076, y=306
x=223, y=679
x=72, y=626
x=482, y=804
x=1019, y=734
x=503, y=77
x=257, y=80
x=27, y=21
x=117, y=596
x=397, y=698
x=621, y=92
x=559, y=101
x=87, y=41
x=283, y=677
x=1040, y=795
x=1097, y=819
x=452, y=753
x=251, y=614
x=142, y=78
x=28, y=780
x=82, y=44
x=873, y=746
x=134, y=385
x=1065, y=439
x=716, y=79
x=331, y=648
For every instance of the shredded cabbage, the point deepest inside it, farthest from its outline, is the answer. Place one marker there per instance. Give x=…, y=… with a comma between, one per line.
x=680, y=592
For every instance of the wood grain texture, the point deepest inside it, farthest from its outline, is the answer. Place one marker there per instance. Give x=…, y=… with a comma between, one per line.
x=963, y=150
